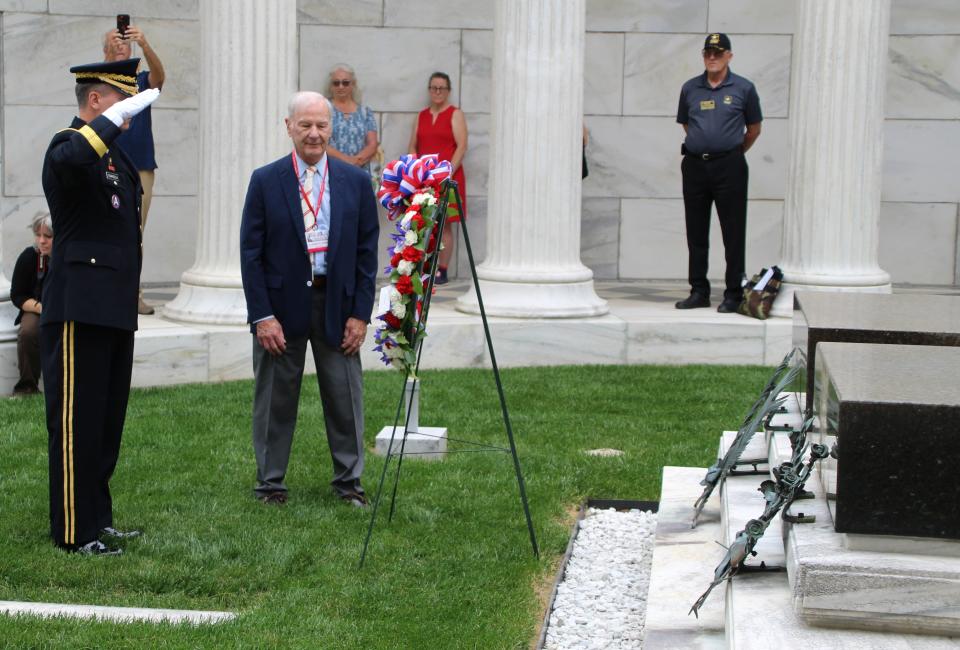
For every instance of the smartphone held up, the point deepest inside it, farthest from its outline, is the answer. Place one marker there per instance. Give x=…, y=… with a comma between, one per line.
x=123, y=22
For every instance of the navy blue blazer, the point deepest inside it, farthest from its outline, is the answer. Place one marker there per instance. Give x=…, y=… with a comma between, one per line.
x=274, y=263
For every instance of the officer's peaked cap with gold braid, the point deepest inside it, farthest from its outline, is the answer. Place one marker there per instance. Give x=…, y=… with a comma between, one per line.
x=122, y=75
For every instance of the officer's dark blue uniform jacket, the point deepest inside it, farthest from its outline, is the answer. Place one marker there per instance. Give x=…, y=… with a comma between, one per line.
x=93, y=191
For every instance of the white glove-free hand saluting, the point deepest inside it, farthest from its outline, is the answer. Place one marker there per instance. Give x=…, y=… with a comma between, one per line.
x=124, y=110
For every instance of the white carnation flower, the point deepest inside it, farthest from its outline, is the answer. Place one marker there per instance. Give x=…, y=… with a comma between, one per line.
x=393, y=352
x=405, y=267
x=421, y=198
x=395, y=296
x=399, y=310
x=410, y=238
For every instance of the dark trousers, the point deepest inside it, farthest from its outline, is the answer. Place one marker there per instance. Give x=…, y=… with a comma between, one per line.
x=28, y=353
x=276, y=396
x=86, y=377
x=722, y=181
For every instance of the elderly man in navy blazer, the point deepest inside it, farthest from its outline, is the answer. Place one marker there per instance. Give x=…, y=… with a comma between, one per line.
x=308, y=244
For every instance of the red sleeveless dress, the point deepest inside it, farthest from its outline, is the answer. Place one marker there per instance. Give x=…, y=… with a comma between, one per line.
x=437, y=137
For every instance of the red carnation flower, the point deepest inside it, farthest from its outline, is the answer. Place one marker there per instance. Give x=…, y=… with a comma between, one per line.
x=395, y=260
x=432, y=244
x=417, y=221
x=412, y=254
x=392, y=320
x=404, y=284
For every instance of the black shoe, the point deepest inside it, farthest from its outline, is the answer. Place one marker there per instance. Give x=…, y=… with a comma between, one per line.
x=441, y=276
x=693, y=301
x=112, y=533
x=728, y=306
x=96, y=547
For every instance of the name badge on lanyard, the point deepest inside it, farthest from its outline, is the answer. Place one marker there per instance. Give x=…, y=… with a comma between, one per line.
x=317, y=239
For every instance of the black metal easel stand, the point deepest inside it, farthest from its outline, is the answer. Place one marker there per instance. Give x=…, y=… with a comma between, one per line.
x=445, y=188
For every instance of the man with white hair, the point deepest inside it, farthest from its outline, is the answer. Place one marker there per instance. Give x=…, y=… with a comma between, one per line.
x=308, y=249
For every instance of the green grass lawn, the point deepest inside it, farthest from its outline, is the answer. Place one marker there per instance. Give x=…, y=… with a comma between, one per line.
x=453, y=569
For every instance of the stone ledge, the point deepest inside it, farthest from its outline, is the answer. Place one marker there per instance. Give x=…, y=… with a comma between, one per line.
x=833, y=586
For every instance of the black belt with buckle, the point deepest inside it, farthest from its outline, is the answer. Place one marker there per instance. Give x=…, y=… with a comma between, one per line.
x=319, y=282
x=713, y=156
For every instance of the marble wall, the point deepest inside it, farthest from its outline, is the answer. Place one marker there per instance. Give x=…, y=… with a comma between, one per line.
x=638, y=53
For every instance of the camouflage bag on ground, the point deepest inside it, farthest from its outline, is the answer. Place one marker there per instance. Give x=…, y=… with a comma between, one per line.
x=759, y=293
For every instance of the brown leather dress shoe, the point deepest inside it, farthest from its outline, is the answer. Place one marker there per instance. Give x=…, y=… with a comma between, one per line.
x=274, y=498
x=143, y=308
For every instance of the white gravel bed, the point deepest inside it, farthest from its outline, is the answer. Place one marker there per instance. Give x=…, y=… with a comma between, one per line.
x=602, y=601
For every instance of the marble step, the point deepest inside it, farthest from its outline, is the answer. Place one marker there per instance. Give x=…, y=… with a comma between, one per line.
x=766, y=609
x=683, y=563
x=741, y=501
x=760, y=616
x=871, y=581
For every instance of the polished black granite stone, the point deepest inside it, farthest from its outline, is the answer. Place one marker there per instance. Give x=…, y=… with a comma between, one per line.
x=908, y=319
x=894, y=413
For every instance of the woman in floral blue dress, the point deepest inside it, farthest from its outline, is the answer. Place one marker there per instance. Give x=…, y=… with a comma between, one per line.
x=354, y=137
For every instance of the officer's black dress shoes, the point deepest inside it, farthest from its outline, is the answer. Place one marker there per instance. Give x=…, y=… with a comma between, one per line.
x=728, y=306
x=112, y=533
x=96, y=547
x=693, y=301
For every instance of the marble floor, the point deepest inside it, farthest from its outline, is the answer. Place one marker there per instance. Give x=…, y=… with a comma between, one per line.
x=642, y=327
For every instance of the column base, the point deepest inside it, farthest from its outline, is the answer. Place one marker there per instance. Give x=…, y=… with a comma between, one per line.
x=783, y=305
x=200, y=302
x=535, y=300
x=8, y=314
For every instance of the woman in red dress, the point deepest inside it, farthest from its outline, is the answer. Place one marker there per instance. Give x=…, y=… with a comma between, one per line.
x=441, y=128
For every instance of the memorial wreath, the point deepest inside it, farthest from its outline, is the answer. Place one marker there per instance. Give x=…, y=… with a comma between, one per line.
x=410, y=191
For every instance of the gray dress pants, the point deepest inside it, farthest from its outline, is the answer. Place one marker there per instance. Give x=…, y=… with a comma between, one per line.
x=277, y=383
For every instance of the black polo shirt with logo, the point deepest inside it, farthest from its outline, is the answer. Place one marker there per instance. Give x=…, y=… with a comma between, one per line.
x=717, y=117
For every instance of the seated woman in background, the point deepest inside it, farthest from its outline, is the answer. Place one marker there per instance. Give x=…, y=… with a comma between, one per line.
x=441, y=128
x=26, y=287
x=354, y=137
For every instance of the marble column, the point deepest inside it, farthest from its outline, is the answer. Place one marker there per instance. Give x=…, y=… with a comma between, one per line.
x=9, y=373
x=832, y=206
x=532, y=267
x=8, y=313
x=248, y=70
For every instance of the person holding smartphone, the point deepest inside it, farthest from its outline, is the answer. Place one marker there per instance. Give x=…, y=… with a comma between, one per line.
x=137, y=141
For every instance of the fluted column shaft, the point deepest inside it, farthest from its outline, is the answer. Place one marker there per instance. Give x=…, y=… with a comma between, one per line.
x=832, y=207
x=532, y=267
x=248, y=70
x=8, y=313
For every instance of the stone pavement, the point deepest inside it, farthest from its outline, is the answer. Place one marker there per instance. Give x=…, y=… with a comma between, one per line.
x=642, y=327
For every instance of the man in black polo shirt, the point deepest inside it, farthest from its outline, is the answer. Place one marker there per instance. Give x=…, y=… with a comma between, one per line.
x=720, y=113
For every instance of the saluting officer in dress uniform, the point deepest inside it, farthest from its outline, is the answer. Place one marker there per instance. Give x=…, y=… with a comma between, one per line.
x=90, y=303
x=720, y=113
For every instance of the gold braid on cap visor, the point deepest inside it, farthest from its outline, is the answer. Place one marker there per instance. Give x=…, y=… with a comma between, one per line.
x=124, y=82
